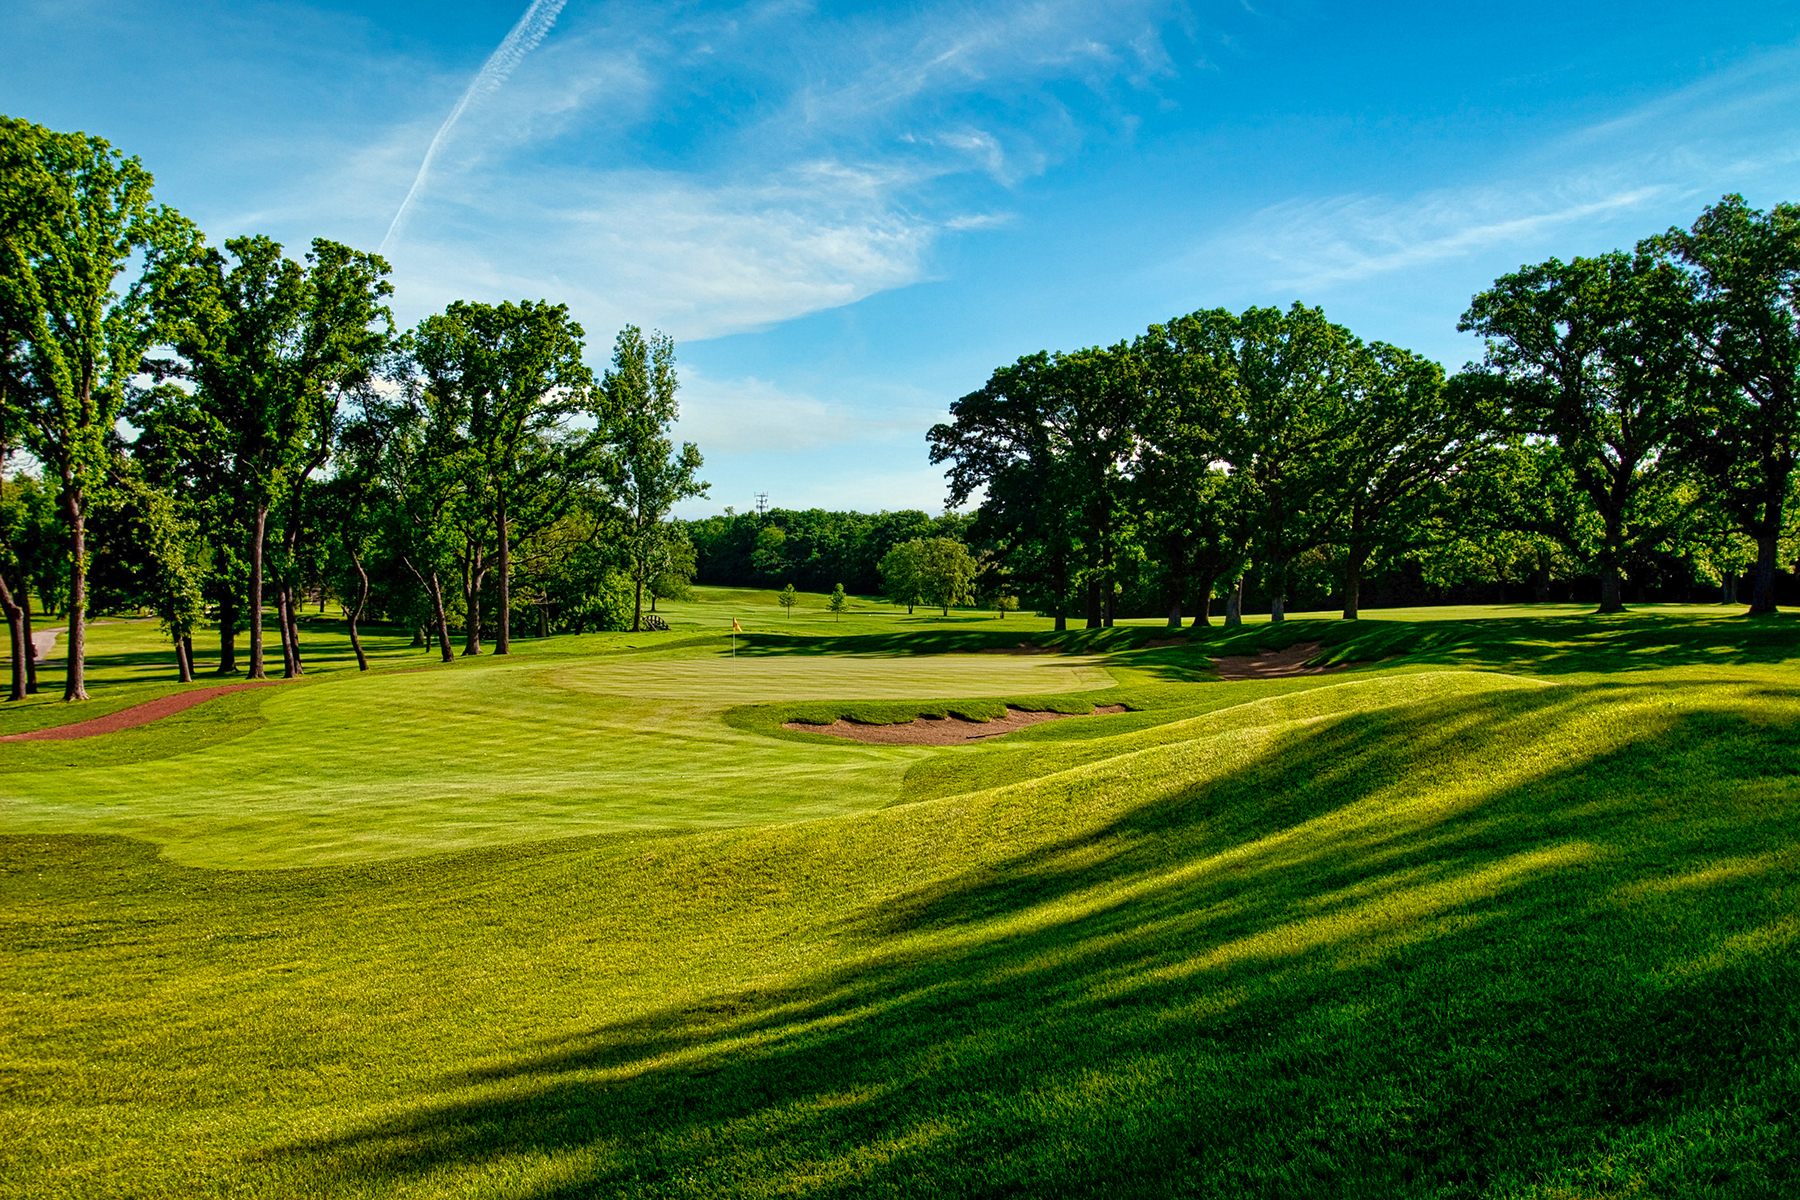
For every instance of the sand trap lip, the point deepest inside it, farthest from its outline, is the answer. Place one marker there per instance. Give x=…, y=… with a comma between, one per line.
x=137, y=714
x=942, y=731
x=1272, y=664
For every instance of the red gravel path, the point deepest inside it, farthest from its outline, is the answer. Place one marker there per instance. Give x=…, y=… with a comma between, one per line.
x=131, y=718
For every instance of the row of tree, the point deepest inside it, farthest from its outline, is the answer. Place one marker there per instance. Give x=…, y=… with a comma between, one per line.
x=219, y=429
x=811, y=548
x=1631, y=409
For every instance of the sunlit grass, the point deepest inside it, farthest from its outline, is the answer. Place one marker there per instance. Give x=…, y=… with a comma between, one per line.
x=1515, y=913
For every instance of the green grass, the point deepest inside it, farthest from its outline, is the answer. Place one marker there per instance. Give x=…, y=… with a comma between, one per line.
x=1509, y=909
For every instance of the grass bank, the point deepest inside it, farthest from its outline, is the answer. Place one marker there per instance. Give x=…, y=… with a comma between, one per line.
x=1510, y=909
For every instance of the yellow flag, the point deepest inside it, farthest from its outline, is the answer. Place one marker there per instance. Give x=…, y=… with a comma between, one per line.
x=735, y=627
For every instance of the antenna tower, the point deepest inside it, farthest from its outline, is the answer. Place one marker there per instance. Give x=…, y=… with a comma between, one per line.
x=762, y=504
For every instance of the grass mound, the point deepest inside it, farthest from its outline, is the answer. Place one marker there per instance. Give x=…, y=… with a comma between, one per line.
x=1428, y=934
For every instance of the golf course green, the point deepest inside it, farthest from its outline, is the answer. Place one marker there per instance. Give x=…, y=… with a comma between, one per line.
x=1506, y=903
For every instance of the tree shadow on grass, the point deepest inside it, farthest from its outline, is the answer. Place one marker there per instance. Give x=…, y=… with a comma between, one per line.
x=1276, y=983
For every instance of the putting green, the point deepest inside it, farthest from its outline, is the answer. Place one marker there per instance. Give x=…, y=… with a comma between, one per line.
x=498, y=751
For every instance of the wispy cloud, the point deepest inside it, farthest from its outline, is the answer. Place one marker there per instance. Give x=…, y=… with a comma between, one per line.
x=1309, y=245
x=531, y=29
x=755, y=416
x=585, y=177
x=1622, y=177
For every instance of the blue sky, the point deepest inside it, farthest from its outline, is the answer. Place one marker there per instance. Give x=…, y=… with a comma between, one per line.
x=849, y=214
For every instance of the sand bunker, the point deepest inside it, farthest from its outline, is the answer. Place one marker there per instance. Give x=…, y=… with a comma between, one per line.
x=1272, y=664
x=137, y=714
x=942, y=731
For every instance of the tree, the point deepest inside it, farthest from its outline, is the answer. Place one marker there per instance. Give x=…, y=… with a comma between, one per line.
x=788, y=597
x=768, y=558
x=946, y=572
x=508, y=378
x=74, y=215
x=837, y=602
x=1592, y=356
x=1005, y=602
x=273, y=348
x=1741, y=431
x=1048, y=439
x=672, y=575
x=176, y=555
x=22, y=651
x=652, y=475
x=30, y=537
x=902, y=573
x=1193, y=512
x=1404, y=441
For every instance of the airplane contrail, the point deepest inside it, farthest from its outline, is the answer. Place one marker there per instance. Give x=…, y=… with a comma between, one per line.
x=525, y=36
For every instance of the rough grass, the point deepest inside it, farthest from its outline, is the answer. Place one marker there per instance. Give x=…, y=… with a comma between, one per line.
x=1413, y=930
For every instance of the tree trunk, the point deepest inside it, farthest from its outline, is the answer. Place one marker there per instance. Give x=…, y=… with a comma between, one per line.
x=182, y=663
x=472, y=577
x=1203, y=608
x=287, y=619
x=258, y=526
x=1612, y=589
x=293, y=617
x=227, y=633
x=21, y=646
x=75, y=683
x=31, y=656
x=637, y=605
x=1108, y=609
x=362, y=599
x=1277, y=593
x=1762, y=585
x=503, y=641
x=543, y=620
x=419, y=638
x=1540, y=580
x=187, y=648
x=1728, y=590
x=1174, y=621
x=1062, y=622
x=443, y=622
x=1234, y=604
x=1353, y=572
x=1093, y=604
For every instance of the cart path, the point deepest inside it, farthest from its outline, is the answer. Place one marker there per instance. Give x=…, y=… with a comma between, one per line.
x=137, y=714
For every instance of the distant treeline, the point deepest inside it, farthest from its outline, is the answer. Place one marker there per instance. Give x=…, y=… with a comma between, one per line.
x=812, y=549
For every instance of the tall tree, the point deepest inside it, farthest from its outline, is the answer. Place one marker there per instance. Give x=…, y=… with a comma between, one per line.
x=273, y=348
x=511, y=377
x=1742, y=431
x=652, y=476
x=1192, y=509
x=75, y=215
x=1592, y=356
x=1404, y=442
x=1049, y=439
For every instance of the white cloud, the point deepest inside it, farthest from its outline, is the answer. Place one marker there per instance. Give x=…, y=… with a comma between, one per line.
x=1626, y=174
x=754, y=416
x=813, y=197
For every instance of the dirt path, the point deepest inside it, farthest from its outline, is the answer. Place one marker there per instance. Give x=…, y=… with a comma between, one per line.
x=941, y=731
x=137, y=714
x=43, y=643
x=1272, y=664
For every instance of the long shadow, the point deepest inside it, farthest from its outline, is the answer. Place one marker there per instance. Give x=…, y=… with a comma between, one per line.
x=1254, y=986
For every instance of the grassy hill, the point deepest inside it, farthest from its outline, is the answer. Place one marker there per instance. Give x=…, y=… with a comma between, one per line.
x=1509, y=909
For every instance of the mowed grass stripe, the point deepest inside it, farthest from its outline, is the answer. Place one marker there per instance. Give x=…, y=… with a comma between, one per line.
x=1432, y=935
x=498, y=750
